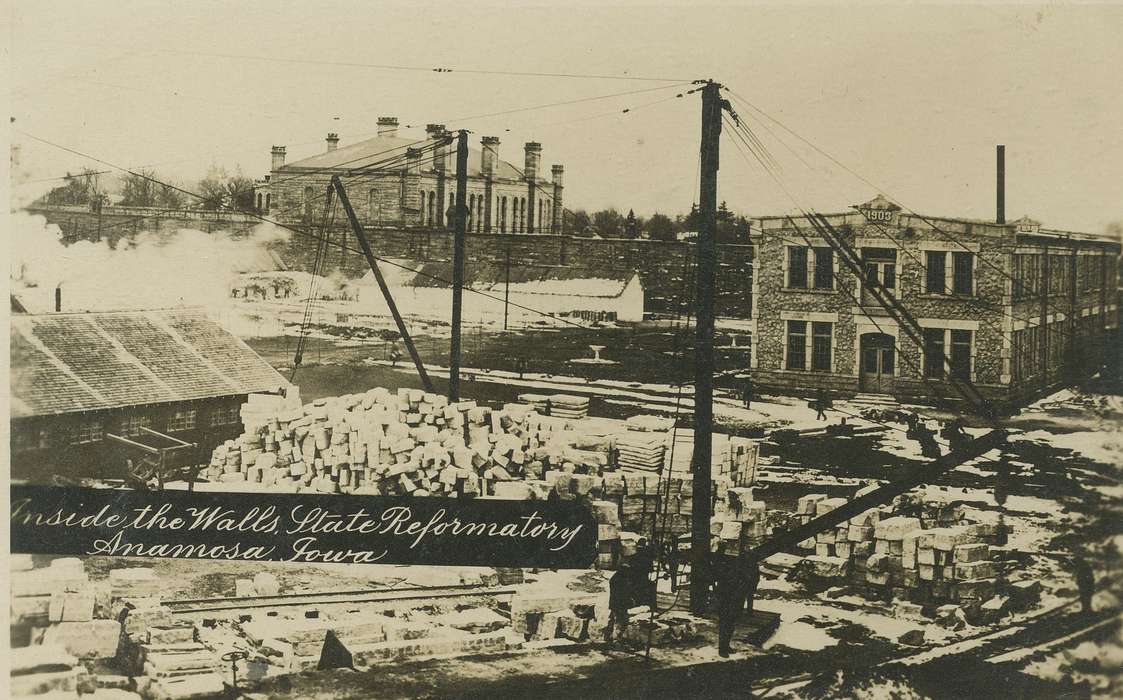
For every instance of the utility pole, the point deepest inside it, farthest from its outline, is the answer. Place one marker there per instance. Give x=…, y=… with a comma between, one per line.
x=506, y=282
x=461, y=223
x=700, y=466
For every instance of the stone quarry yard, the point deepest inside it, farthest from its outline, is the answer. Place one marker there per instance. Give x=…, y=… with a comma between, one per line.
x=836, y=626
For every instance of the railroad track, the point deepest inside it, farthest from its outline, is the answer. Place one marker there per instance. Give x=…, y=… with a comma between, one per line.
x=358, y=596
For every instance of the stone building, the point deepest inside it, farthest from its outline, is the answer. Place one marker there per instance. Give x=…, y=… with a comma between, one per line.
x=1015, y=308
x=400, y=182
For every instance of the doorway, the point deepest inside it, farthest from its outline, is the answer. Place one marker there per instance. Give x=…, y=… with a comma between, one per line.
x=878, y=362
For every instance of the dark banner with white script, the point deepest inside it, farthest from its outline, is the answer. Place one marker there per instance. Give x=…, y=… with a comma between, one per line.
x=301, y=528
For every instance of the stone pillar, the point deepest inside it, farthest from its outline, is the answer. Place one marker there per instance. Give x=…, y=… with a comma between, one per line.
x=488, y=161
x=557, y=212
x=533, y=151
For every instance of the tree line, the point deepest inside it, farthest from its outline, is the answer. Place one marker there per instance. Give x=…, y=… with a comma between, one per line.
x=145, y=188
x=610, y=223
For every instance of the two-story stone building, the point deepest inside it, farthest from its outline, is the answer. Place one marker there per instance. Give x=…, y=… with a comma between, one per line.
x=398, y=182
x=1014, y=308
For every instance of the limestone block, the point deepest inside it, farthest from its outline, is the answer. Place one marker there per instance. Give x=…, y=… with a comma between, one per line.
x=966, y=553
x=71, y=606
x=93, y=639
x=896, y=528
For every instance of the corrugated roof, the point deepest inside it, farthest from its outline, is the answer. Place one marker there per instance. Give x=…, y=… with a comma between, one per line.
x=382, y=147
x=64, y=363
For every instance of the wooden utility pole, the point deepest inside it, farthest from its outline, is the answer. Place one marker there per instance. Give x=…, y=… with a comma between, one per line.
x=461, y=224
x=700, y=467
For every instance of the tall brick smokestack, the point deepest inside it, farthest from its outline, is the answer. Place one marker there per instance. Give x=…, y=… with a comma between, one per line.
x=489, y=154
x=558, y=210
x=1000, y=209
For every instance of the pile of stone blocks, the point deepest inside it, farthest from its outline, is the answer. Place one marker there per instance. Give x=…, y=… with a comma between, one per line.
x=405, y=443
x=937, y=558
x=741, y=525
x=58, y=606
x=558, y=405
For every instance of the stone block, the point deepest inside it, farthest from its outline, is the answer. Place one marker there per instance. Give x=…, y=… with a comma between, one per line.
x=976, y=570
x=967, y=553
x=93, y=639
x=71, y=606
x=895, y=528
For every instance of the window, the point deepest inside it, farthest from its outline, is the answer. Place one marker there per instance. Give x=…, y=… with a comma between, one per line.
x=89, y=430
x=821, y=346
x=936, y=264
x=29, y=437
x=1027, y=275
x=182, y=419
x=824, y=268
x=131, y=425
x=934, y=353
x=960, y=359
x=797, y=345
x=963, y=273
x=797, y=267
x=225, y=415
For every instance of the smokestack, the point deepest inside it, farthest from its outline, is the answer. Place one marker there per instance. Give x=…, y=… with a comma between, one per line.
x=388, y=126
x=533, y=152
x=436, y=133
x=333, y=142
x=1000, y=216
x=58, y=297
x=489, y=154
x=278, y=157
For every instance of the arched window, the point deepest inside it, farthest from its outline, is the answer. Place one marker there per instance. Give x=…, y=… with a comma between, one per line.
x=432, y=206
x=541, y=208
x=522, y=215
x=421, y=209
x=259, y=201
x=479, y=214
x=514, y=215
x=268, y=203
x=503, y=215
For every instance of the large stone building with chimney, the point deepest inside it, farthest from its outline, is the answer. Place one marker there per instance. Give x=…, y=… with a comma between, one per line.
x=1015, y=308
x=400, y=182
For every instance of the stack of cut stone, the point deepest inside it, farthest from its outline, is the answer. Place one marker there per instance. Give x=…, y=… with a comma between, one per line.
x=558, y=405
x=933, y=559
x=410, y=442
x=607, y=515
x=59, y=606
x=641, y=450
x=742, y=525
x=638, y=498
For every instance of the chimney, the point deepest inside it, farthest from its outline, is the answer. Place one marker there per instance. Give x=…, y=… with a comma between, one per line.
x=533, y=151
x=388, y=126
x=58, y=297
x=437, y=133
x=278, y=157
x=1000, y=216
x=333, y=142
x=558, y=210
x=489, y=157
x=413, y=161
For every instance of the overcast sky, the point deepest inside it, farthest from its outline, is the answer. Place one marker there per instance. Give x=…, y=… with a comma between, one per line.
x=913, y=99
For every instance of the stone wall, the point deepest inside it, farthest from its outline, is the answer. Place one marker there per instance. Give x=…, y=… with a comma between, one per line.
x=661, y=265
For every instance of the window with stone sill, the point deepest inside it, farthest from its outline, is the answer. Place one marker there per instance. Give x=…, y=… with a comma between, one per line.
x=225, y=415
x=87, y=431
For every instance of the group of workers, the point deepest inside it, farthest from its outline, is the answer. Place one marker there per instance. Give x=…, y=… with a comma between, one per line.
x=734, y=581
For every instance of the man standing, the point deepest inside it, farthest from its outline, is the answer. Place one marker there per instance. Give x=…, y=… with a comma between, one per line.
x=820, y=404
x=619, y=600
x=736, y=580
x=1085, y=582
x=747, y=392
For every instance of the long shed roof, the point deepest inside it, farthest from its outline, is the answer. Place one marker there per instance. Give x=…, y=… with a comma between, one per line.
x=71, y=362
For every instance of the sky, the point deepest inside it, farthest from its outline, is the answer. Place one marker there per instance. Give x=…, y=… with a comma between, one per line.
x=910, y=99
